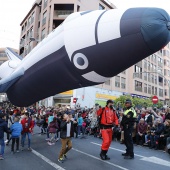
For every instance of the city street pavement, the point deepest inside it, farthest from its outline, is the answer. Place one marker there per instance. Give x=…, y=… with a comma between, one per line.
x=83, y=156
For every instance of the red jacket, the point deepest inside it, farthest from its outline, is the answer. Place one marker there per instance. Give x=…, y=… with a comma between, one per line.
x=109, y=116
x=27, y=124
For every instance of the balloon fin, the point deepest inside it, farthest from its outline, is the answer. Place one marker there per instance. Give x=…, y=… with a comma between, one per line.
x=7, y=82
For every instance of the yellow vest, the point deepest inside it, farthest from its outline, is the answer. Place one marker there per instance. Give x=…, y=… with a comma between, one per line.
x=130, y=110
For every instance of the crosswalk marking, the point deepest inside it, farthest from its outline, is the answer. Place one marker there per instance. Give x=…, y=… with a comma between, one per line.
x=151, y=159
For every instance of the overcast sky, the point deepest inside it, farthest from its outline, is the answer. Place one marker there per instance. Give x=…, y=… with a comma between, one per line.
x=12, y=12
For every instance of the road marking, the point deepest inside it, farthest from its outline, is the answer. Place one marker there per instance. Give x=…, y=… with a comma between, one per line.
x=156, y=160
x=151, y=159
x=47, y=160
x=107, y=162
x=118, y=150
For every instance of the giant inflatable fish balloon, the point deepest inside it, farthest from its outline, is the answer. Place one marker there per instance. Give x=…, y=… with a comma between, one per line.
x=87, y=49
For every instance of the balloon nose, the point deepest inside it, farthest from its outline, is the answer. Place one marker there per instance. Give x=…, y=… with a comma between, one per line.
x=168, y=25
x=155, y=28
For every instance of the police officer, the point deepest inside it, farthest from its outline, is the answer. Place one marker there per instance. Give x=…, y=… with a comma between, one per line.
x=127, y=122
x=108, y=118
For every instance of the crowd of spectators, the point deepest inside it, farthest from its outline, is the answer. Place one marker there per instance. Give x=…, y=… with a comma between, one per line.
x=152, y=127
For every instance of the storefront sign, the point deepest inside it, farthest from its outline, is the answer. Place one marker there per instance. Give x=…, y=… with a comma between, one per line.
x=105, y=96
x=70, y=92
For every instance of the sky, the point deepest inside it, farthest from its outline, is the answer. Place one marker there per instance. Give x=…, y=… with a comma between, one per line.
x=12, y=12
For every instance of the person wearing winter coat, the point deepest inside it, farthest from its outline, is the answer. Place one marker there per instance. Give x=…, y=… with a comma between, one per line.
x=3, y=128
x=165, y=134
x=27, y=125
x=67, y=131
x=155, y=135
x=16, y=130
x=53, y=126
x=141, y=131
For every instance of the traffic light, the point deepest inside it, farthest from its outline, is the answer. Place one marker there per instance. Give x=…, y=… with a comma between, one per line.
x=75, y=100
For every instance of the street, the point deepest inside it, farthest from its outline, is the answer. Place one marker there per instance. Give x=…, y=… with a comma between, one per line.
x=84, y=155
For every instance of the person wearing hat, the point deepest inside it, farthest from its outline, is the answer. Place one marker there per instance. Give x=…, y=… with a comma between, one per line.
x=129, y=117
x=108, y=118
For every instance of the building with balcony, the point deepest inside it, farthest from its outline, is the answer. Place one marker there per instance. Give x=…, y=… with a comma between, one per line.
x=46, y=15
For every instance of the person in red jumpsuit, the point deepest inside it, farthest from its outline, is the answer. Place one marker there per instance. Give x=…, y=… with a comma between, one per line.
x=108, y=118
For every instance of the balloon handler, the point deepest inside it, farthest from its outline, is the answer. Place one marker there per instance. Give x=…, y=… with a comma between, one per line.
x=108, y=118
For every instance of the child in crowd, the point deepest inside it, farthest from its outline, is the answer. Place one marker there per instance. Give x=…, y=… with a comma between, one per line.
x=16, y=130
x=52, y=130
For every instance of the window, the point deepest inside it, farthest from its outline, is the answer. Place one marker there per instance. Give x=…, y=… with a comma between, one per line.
x=165, y=92
x=154, y=68
x=155, y=79
x=45, y=3
x=29, y=21
x=43, y=34
x=152, y=78
x=153, y=90
x=149, y=66
x=44, y=18
x=160, y=80
x=101, y=7
x=149, y=89
x=138, y=70
x=145, y=64
x=145, y=88
x=32, y=19
x=145, y=76
x=123, y=83
x=78, y=8
x=156, y=91
x=138, y=86
x=160, y=61
x=161, y=92
x=149, y=77
x=165, y=72
x=107, y=82
x=117, y=81
x=154, y=58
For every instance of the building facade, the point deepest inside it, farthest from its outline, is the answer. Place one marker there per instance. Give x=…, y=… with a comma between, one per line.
x=146, y=78
x=46, y=15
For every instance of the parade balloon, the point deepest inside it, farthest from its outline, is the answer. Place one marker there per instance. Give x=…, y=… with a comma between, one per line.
x=87, y=49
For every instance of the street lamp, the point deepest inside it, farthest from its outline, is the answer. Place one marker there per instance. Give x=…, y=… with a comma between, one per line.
x=160, y=73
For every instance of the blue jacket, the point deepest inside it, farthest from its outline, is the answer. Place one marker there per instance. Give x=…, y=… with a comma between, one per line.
x=16, y=129
x=3, y=128
x=80, y=121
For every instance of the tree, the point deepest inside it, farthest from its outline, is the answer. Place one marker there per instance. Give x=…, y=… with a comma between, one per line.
x=136, y=102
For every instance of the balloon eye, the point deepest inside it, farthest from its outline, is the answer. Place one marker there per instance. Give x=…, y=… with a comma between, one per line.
x=80, y=61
